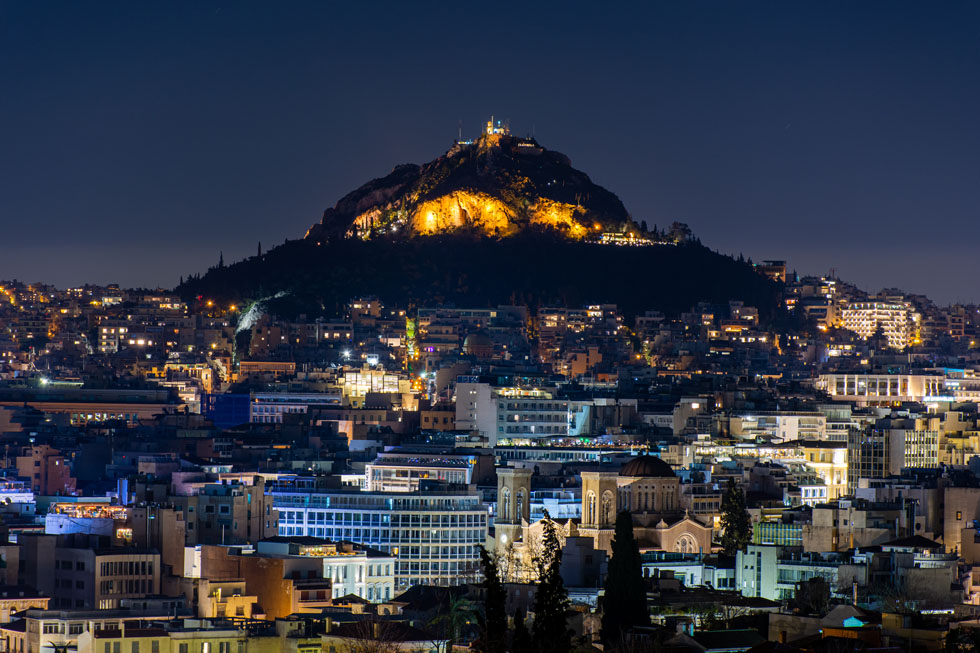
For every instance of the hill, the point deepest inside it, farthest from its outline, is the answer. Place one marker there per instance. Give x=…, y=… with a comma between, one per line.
x=534, y=267
x=497, y=185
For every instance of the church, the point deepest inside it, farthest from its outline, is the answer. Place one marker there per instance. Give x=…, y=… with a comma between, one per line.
x=646, y=486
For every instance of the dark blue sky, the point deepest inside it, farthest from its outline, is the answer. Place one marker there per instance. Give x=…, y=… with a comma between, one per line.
x=137, y=140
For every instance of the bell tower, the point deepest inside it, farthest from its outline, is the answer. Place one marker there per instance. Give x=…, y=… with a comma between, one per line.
x=513, y=504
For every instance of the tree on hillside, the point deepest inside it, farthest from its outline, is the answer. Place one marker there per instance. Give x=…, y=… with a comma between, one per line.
x=493, y=626
x=551, y=633
x=624, y=602
x=735, y=520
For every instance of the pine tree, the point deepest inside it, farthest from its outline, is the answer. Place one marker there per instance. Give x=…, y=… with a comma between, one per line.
x=493, y=631
x=551, y=633
x=735, y=520
x=624, y=602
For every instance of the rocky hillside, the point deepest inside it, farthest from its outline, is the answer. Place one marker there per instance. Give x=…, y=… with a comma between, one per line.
x=495, y=186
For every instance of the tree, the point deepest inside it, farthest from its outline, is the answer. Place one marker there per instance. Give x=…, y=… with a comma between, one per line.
x=735, y=520
x=551, y=633
x=453, y=622
x=812, y=597
x=493, y=628
x=624, y=602
x=520, y=641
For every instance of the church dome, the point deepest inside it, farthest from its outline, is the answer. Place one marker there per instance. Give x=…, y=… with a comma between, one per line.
x=647, y=467
x=478, y=344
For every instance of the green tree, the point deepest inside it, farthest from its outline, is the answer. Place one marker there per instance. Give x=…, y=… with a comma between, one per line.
x=454, y=621
x=551, y=633
x=520, y=641
x=493, y=627
x=735, y=521
x=624, y=602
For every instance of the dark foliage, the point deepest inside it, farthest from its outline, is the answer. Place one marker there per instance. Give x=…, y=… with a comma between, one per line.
x=551, y=633
x=812, y=597
x=735, y=520
x=624, y=602
x=520, y=641
x=534, y=268
x=493, y=627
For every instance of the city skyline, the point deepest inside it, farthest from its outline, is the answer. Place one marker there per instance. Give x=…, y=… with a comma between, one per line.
x=836, y=137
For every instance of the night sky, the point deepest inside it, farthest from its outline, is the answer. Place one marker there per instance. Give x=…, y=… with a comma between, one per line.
x=138, y=140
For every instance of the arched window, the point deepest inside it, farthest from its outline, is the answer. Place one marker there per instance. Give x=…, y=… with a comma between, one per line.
x=608, y=508
x=519, y=515
x=686, y=544
x=590, y=509
x=505, y=504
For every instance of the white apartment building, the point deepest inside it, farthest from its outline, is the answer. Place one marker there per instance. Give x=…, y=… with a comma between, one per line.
x=404, y=472
x=434, y=537
x=510, y=413
x=352, y=569
x=781, y=426
x=269, y=407
x=898, y=320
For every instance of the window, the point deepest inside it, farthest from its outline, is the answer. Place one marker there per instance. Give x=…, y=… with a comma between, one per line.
x=959, y=514
x=183, y=648
x=135, y=647
x=155, y=646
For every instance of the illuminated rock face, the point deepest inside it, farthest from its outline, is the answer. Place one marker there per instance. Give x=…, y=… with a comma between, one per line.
x=563, y=217
x=463, y=209
x=497, y=186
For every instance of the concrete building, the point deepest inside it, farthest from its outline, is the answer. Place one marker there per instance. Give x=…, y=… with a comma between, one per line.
x=232, y=513
x=509, y=413
x=269, y=407
x=352, y=569
x=434, y=534
x=47, y=471
x=892, y=445
x=883, y=389
x=77, y=573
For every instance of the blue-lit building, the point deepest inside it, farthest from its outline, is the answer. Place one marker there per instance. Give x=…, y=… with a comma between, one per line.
x=226, y=410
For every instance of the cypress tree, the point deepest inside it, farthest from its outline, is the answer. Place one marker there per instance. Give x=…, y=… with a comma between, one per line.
x=521, y=640
x=735, y=520
x=551, y=633
x=624, y=602
x=493, y=631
